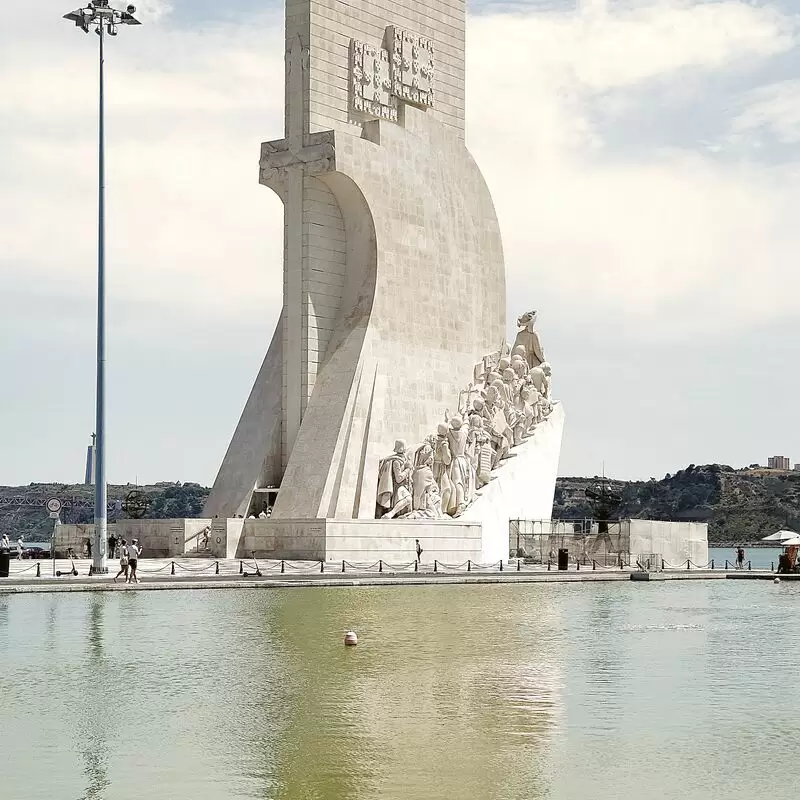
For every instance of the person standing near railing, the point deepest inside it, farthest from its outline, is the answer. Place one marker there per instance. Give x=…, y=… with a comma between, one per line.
x=740, y=558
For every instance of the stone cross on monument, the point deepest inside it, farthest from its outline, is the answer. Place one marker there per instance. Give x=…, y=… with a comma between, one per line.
x=393, y=279
x=284, y=164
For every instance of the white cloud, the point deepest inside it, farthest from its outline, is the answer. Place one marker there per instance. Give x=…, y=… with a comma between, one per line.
x=651, y=238
x=186, y=110
x=665, y=242
x=774, y=108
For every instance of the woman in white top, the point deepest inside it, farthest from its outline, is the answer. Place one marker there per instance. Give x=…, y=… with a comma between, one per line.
x=123, y=562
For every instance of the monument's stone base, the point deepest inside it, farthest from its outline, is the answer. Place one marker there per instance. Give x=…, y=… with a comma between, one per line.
x=360, y=541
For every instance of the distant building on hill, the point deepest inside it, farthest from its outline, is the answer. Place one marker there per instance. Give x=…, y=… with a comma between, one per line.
x=779, y=462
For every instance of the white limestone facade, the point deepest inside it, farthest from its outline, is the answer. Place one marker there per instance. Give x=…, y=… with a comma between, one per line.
x=394, y=280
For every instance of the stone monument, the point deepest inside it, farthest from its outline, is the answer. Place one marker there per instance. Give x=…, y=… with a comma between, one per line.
x=393, y=323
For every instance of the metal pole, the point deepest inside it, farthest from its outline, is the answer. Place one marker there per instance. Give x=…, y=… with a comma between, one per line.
x=99, y=565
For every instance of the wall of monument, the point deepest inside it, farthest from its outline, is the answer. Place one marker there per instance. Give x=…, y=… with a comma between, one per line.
x=331, y=26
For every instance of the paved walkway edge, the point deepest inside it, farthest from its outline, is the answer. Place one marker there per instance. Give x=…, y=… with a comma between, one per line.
x=10, y=586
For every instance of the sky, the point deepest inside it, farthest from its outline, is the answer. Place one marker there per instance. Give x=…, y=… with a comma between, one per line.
x=642, y=156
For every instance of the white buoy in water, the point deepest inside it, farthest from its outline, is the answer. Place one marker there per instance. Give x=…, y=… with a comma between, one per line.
x=350, y=639
x=776, y=580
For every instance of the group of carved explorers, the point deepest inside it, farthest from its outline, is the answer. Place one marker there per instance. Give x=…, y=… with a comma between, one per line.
x=510, y=396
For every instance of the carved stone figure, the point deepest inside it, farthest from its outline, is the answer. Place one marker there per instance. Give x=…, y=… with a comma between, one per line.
x=529, y=339
x=537, y=379
x=496, y=425
x=509, y=378
x=425, y=499
x=548, y=372
x=441, y=467
x=459, y=466
x=479, y=450
x=394, y=472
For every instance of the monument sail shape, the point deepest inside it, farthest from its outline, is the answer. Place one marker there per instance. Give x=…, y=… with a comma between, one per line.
x=394, y=284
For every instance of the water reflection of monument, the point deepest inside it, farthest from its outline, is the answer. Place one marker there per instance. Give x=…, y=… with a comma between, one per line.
x=421, y=707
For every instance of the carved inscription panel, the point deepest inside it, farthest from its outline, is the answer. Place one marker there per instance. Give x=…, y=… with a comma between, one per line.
x=412, y=66
x=371, y=80
x=381, y=77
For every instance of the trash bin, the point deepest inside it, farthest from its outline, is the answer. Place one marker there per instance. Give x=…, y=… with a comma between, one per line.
x=563, y=558
x=5, y=562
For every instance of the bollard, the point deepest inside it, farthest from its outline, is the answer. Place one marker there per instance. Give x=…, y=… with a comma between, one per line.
x=469, y=566
x=38, y=570
x=594, y=564
x=241, y=568
x=172, y=571
x=688, y=564
x=501, y=565
x=772, y=566
x=548, y=565
x=342, y=565
x=216, y=567
x=663, y=563
x=517, y=565
x=712, y=563
x=283, y=567
x=322, y=566
x=579, y=565
x=416, y=566
x=435, y=565
x=380, y=565
x=749, y=566
x=726, y=563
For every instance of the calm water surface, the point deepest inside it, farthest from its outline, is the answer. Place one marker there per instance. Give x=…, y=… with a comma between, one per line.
x=669, y=690
x=759, y=557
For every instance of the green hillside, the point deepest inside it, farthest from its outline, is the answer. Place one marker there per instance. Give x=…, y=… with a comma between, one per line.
x=738, y=504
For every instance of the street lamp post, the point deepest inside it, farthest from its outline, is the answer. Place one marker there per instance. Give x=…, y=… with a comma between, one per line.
x=104, y=19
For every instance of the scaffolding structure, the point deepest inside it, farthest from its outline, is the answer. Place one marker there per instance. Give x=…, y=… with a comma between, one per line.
x=606, y=542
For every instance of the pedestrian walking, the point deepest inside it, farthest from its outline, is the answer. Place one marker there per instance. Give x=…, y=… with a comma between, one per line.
x=20, y=549
x=740, y=558
x=123, y=562
x=419, y=551
x=134, y=551
x=112, y=544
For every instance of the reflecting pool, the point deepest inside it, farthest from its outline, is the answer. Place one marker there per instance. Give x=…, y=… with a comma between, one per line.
x=669, y=690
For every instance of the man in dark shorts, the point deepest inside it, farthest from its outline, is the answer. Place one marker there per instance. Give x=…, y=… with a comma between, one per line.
x=740, y=558
x=134, y=551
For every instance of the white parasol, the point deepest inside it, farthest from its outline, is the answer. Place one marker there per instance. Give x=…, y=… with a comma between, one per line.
x=781, y=537
x=791, y=542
